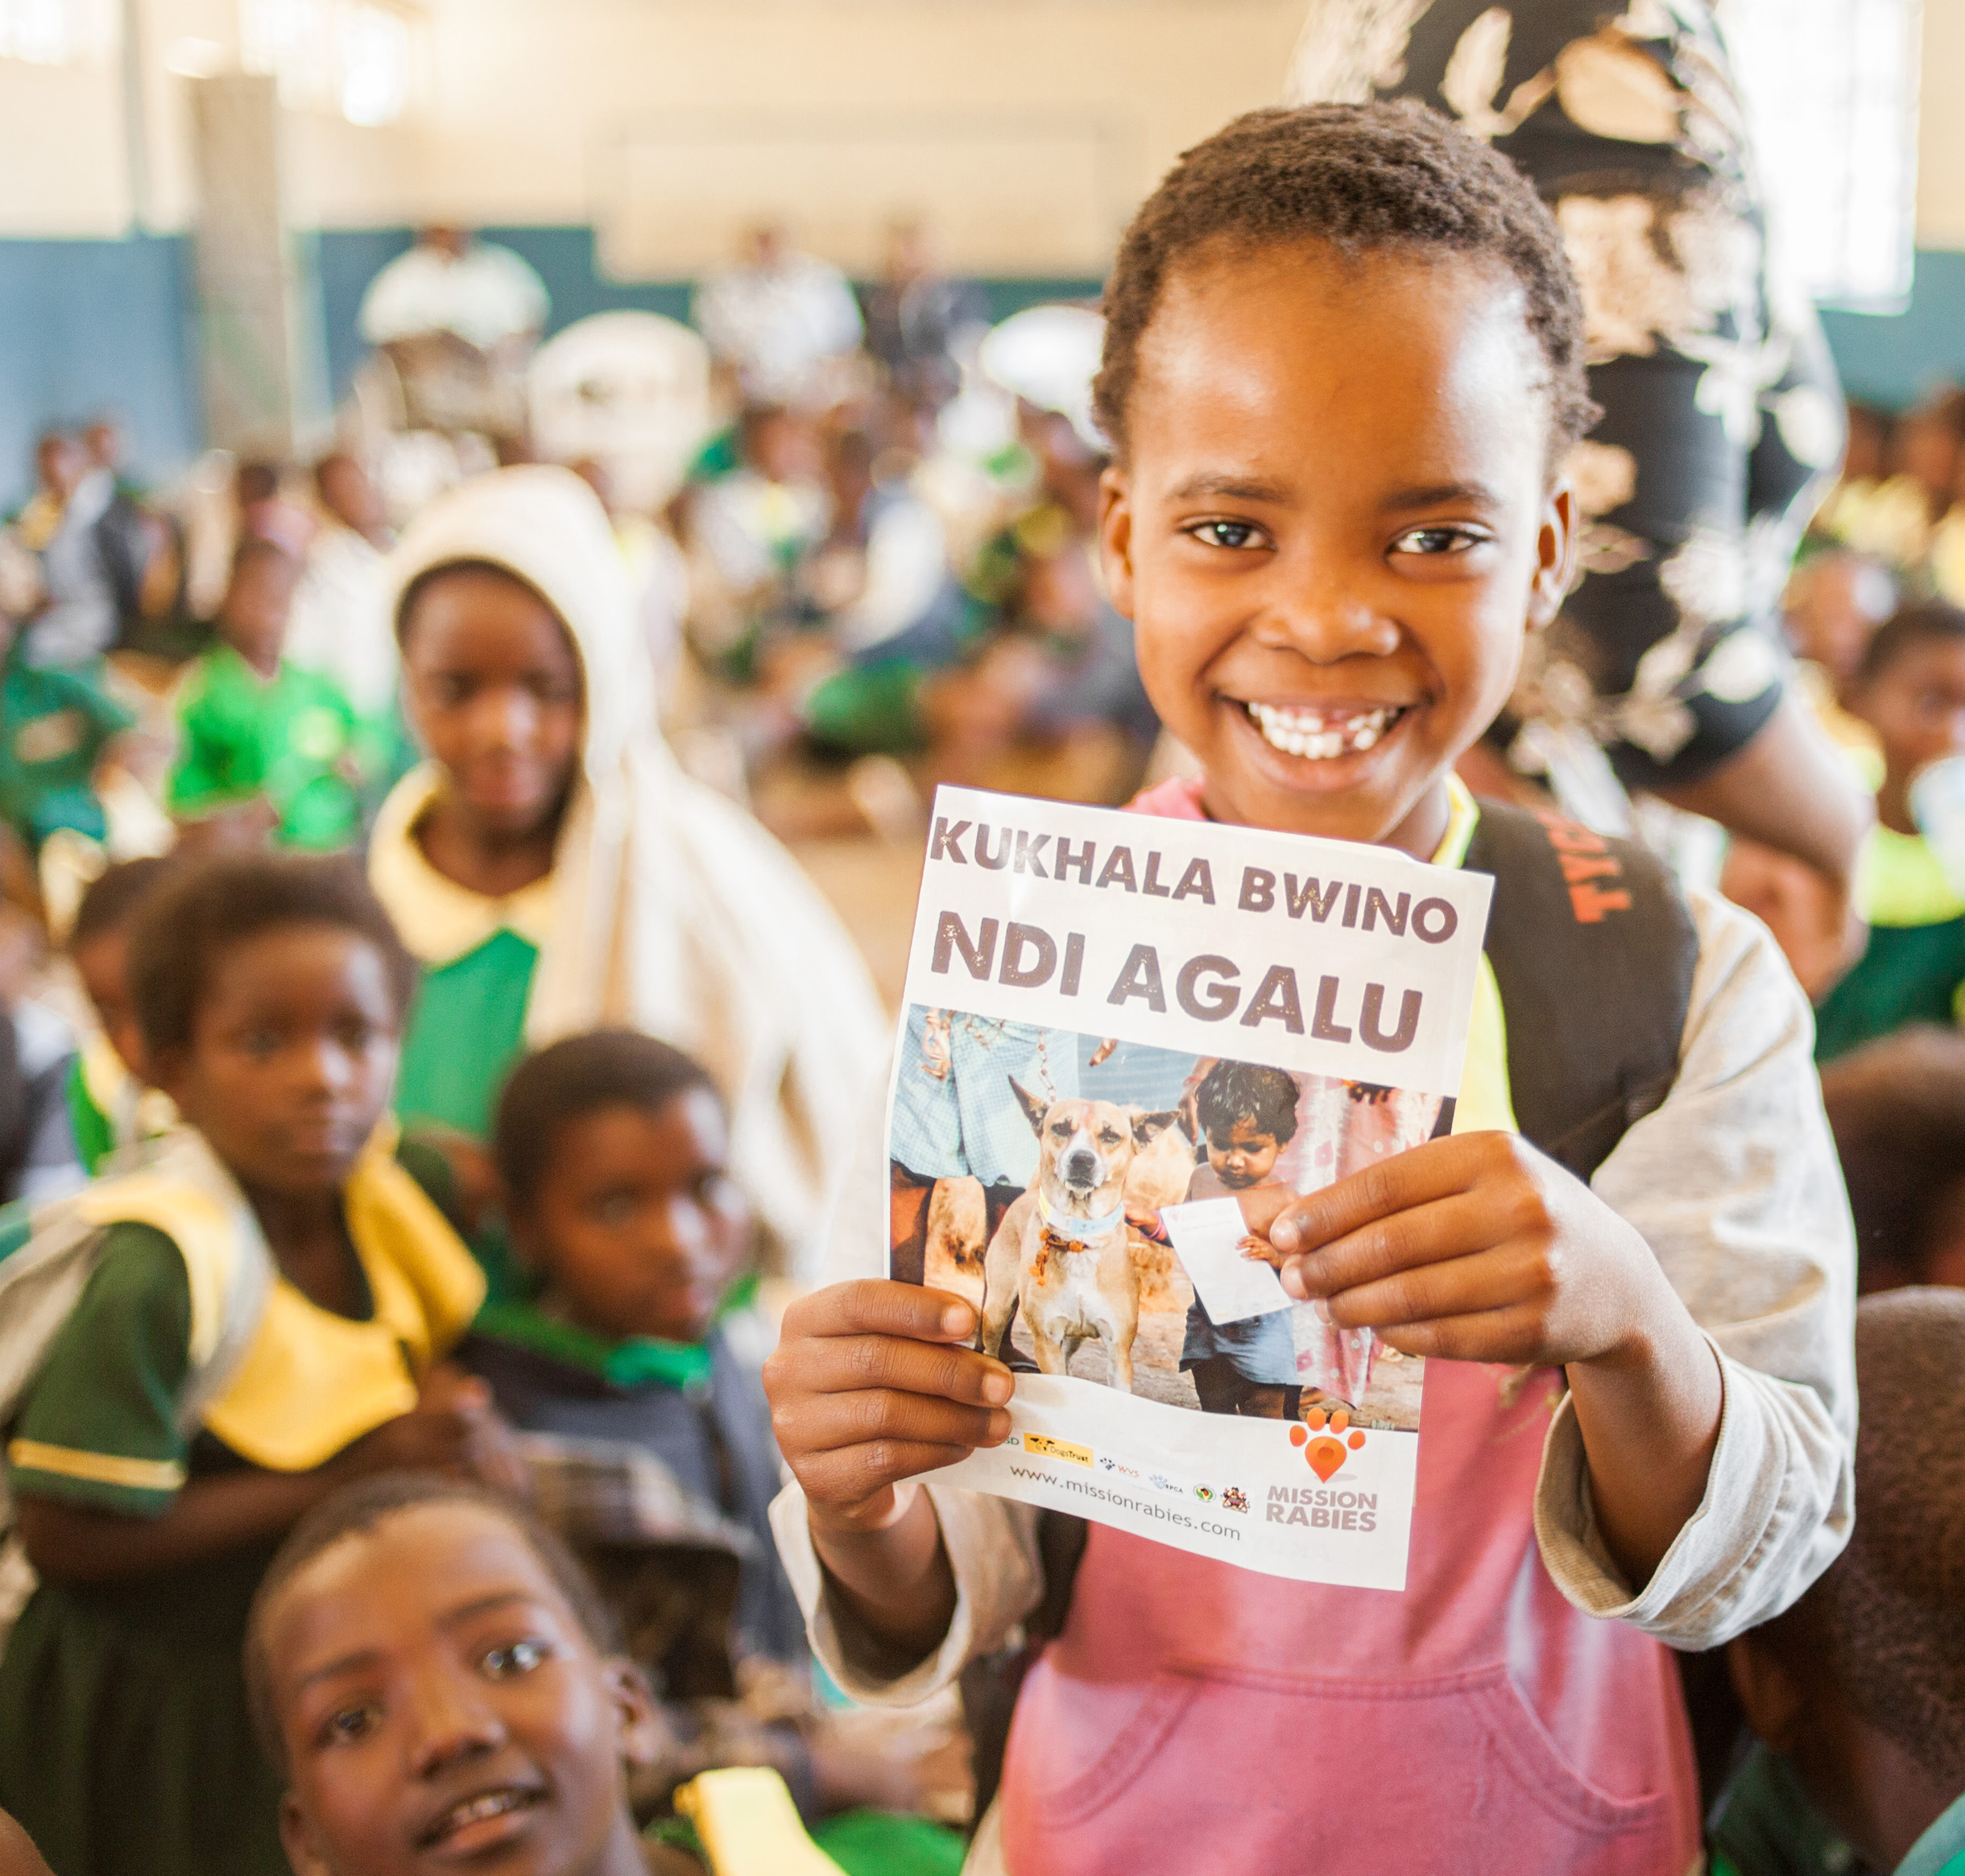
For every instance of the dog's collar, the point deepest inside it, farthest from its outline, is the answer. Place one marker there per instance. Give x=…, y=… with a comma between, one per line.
x=1085, y=1231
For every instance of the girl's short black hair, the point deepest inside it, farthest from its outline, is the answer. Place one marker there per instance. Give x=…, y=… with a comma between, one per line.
x=202, y=909
x=1233, y=1092
x=1929, y=622
x=604, y=1068
x=363, y=1507
x=1361, y=179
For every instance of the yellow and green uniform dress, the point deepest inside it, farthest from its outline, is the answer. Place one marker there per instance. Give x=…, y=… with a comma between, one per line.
x=126, y=1745
x=289, y=738
x=1913, y=970
x=109, y=1108
x=478, y=956
x=54, y=725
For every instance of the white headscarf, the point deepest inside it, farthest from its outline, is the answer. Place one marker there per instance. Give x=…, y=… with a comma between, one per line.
x=672, y=911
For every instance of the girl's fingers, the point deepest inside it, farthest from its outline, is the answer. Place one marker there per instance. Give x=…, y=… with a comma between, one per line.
x=1514, y=1334
x=850, y=1475
x=1462, y=1225
x=843, y=1365
x=880, y=1306
x=1424, y=1173
x=828, y=1422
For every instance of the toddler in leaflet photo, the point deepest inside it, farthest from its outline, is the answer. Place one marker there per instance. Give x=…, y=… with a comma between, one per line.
x=1247, y=1115
x=1343, y=371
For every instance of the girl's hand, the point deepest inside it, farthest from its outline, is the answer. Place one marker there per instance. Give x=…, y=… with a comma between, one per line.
x=872, y=1382
x=454, y=1428
x=1478, y=1247
x=1475, y=1247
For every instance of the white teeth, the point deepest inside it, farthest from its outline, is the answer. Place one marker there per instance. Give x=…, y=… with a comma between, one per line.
x=1302, y=732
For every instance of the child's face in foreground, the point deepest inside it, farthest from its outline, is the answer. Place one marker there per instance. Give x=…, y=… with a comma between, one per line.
x=494, y=692
x=1334, y=527
x=441, y=1708
x=637, y=1225
x=103, y=965
x=293, y=1050
x=1244, y=1156
x=1915, y=704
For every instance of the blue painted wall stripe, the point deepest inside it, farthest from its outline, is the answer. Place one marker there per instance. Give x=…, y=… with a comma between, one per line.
x=86, y=326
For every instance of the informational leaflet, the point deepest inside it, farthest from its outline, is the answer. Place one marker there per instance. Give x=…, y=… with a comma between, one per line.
x=1128, y=1042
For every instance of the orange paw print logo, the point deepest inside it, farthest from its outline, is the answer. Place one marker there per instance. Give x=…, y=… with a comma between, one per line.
x=1325, y=1443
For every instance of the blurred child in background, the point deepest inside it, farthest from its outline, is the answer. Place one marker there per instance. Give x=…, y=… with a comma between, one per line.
x=552, y=869
x=1897, y=1107
x=1858, y=1689
x=267, y=1305
x=267, y=748
x=109, y=1104
x=1910, y=690
x=613, y=1151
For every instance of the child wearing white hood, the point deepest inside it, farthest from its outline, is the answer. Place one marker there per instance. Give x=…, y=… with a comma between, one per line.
x=552, y=869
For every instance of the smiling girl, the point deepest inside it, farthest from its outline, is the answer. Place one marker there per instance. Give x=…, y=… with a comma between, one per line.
x=1343, y=360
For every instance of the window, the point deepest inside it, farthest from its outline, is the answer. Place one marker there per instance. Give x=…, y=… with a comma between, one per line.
x=352, y=57
x=1831, y=90
x=55, y=32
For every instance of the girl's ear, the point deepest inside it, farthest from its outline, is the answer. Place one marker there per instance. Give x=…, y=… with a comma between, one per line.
x=1555, y=556
x=641, y=1730
x=296, y=1836
x=1115, y=537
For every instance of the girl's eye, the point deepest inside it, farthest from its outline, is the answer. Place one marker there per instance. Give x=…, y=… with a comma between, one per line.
x=519, y=1658
x=613, y=1208
x=1437, y=540
x=347, y=1724
x=263, y=1044
x=355, y=1037
x=1229, y=534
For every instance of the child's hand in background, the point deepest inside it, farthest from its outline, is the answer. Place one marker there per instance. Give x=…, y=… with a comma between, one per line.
x=454, y=1428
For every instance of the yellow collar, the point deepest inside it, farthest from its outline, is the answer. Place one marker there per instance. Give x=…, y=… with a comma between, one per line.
x=1462, y=818
x=310, y=1382
x=441, y=920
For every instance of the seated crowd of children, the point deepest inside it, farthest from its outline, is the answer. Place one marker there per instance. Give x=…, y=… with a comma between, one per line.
x=421, y=1091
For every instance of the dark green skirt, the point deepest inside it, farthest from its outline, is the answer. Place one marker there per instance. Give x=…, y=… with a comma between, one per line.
x=126, y=1745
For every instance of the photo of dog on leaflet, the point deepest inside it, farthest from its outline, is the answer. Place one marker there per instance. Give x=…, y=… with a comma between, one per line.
x=1063, y=1255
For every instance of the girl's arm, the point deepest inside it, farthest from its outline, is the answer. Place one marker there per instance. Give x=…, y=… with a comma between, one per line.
x=210, y=1518
x=233, y=1511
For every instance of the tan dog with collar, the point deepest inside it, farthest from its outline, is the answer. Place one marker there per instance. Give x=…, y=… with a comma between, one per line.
x=1062, y=1254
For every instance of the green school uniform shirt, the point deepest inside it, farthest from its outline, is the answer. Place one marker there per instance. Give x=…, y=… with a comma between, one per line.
x=477, y=957
x=53, y=727
x=1913, y=970
x=286, y=738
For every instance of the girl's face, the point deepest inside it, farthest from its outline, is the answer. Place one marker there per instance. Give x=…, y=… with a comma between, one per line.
x=637, y=1225
x=1242, y=1157
x=494, y=692
x=1334, y=527
x=1916, y=705
x=292, y=1053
